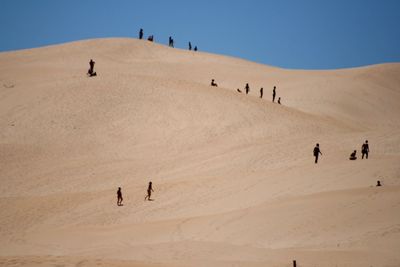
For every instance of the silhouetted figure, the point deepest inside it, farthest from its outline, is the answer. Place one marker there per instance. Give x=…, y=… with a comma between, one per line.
x=261, y=92
x=91, y=71
x=316, y=152
x=365, y=150
x=247, y=88
x=171, y=42
x=149, y=190
x=150, y=38
x=378, y=183
x=141, y=34
x=353, y=155
x=119, y=197
x=190, y=46
x=239, y=90
x=279, y=100
x=213, y=83
x=195, y=48
x=273, y=94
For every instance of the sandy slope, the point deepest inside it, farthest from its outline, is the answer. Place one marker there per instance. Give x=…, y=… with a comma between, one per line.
x=234, y=178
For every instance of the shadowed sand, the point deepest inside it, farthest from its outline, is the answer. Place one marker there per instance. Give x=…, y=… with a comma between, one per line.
x=234, y=178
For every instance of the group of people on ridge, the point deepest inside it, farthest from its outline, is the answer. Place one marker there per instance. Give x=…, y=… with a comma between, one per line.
x=364, y=151
x=247, y=90
x=170, y=40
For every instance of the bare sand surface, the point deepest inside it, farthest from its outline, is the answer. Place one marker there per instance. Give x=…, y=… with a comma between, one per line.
x=234, y=177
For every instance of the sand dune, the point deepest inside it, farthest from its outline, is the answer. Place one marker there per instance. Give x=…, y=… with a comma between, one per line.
x=234, y=178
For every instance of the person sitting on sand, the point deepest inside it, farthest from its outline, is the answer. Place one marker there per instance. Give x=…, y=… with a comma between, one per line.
x=213, y=83
x=378, y=183
x=119, y=197
x=239, y=90
x=279, y=100
x=149, y=190
x=353, y=155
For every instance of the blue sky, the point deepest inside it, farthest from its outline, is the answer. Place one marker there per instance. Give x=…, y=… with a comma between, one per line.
x=299, y=34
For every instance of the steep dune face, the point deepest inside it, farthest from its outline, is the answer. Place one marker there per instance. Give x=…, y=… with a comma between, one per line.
x=234, y=178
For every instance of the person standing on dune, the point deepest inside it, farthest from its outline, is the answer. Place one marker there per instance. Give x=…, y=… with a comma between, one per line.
x=141, y=34
x=365, y=150
x=261, y=92
x=273, y=94
x=316, y=152
x=247, y=88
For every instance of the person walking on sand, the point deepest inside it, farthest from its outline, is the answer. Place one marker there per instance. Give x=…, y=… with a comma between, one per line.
x=365, y=150
x=119, y=197
x=247, y=88
x=149, y=190
x=261, y=92
x=316, y=152
x=273, y=94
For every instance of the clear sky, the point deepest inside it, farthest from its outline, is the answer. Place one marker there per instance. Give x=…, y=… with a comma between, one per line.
x=305, y=34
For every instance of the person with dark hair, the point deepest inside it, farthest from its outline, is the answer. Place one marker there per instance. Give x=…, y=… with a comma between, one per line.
x=261, y=92
x=247, y=87
x=91, y=71
x=365, y=150
x=378, y=183
x=316, y=152
x=141, y=34
x=213, y=83
x=273, y=94
x=119, y=197
x=195, y=48
x=149, y=190
x=353, y=155
x=190, y=46
x=279, y=100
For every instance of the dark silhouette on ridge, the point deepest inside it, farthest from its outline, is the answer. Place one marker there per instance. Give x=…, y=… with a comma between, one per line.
x=273, y=94
x=190, y=46
x=141, y=34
